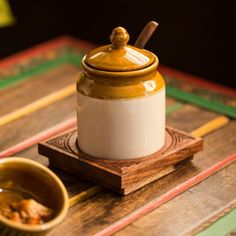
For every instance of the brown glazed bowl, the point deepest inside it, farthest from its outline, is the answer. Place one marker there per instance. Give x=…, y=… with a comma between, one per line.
x=36, y=180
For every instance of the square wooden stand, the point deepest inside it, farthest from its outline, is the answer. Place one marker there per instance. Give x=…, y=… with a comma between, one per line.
x=122, y=176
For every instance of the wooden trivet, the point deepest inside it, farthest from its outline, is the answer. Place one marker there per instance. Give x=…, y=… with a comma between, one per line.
x=123, y=176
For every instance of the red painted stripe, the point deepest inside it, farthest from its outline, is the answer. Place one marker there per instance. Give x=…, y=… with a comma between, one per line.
x=196, y=80
x=45, y=135
x=40, y=48
x=142, y=211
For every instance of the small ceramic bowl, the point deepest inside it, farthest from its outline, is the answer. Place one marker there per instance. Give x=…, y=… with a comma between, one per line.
x=36, y=180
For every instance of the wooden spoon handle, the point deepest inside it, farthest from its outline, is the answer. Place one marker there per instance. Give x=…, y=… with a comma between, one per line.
x=146, y=34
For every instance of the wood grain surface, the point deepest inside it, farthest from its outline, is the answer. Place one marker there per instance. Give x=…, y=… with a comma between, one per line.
x=96, y=213
x=34, y=89
x=105, y=208
x=123, y=176
x=186, y=212
x=198, y=205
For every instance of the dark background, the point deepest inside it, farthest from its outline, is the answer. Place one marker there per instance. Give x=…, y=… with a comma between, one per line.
x=193, y=36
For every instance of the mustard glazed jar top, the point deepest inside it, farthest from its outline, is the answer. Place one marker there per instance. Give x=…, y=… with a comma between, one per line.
x=120, y=101
x=119, y=70
x=119, y=56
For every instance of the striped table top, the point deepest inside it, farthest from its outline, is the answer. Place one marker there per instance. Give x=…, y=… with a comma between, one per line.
x=37, y=90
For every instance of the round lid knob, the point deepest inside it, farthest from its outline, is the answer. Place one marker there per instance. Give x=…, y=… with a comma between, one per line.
x=119, y=37
x=119, y=56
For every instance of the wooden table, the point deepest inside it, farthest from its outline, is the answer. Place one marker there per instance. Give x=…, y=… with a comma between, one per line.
x=184, y=202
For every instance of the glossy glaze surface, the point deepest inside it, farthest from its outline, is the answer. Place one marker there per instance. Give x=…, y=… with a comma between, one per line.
x=119, y=56
x=33, y=179
x=120, y=101
x=111, y=87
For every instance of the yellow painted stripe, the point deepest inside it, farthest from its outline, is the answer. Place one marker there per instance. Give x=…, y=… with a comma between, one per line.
x=84, y=195
x=210, y=126
x=38, y=104
x=199, y=132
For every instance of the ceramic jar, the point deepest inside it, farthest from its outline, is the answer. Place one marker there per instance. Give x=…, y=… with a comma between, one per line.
x=120, y=101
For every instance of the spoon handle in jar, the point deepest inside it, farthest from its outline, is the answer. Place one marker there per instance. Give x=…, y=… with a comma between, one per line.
x=146, y=34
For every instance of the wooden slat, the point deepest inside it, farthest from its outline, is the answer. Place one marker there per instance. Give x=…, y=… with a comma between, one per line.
x=99, y=204
x=90, y=214
x=123, y=206
x=197, y=81
x=154, y=188
x=95, y=214
x=38, y=104
x=26, y=92
x=15, y=132
x=190, y=209
x=190, y=117
x=42, y=136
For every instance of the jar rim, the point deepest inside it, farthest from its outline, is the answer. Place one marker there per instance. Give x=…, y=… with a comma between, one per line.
x=104, y=73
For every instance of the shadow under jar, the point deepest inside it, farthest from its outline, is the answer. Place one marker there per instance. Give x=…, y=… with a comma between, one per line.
x=120, y=101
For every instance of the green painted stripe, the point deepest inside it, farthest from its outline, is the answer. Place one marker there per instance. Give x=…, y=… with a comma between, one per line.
x=75, y=59
x=221, y=227
x=68, y=58
x=197, y=100
x=174, y=107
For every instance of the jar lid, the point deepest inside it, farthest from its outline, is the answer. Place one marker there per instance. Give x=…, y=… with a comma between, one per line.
x=119, y=56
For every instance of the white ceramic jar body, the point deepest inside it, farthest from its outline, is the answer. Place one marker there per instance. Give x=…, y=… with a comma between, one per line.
x=120, y=101
x=121, y=128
